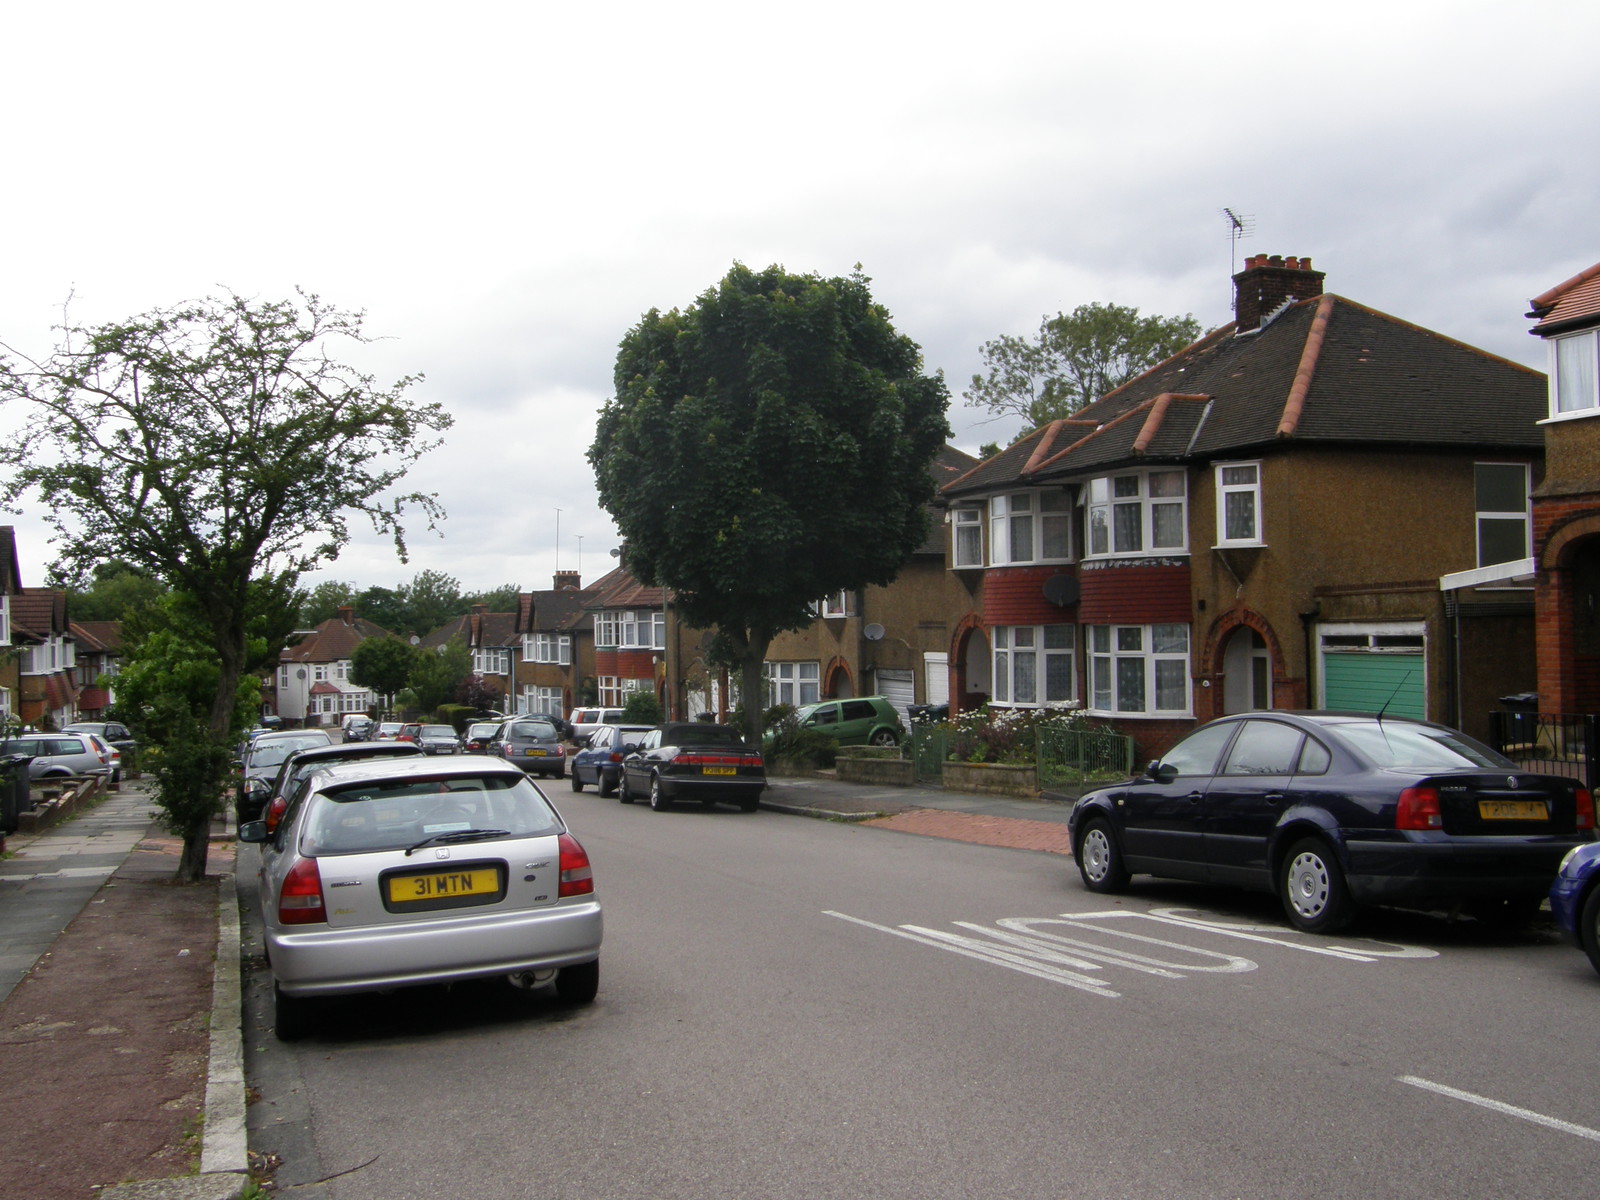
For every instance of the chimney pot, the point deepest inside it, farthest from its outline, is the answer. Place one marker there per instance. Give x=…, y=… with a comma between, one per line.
x=1266, y=282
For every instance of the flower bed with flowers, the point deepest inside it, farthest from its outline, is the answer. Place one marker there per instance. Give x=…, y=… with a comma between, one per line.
x=1006, y=735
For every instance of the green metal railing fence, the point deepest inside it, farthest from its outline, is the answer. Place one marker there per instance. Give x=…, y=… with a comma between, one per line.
x=1065, y=756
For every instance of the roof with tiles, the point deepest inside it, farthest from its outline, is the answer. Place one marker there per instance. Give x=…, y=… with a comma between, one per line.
x=10, y=573
x=37, y=613
x=334, y=640
x=476, y=629
x=1320, y=369
x=1570, y=305
x=97, y=637
x=552, y=611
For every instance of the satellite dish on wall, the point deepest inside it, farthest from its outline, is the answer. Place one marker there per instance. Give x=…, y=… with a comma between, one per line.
x=300, y=673
x=873, y=632
x=1061, y=590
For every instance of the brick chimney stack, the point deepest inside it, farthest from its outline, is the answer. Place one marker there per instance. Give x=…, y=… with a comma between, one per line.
x=566, y=580
x=347, y=614
x=1266, y=282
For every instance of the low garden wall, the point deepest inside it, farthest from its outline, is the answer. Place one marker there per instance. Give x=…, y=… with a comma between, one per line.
x=991, y=779
x=889, y=772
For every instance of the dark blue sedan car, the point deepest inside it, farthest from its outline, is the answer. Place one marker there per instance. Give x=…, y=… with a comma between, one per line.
x=1575, y=899
x=1331, y=811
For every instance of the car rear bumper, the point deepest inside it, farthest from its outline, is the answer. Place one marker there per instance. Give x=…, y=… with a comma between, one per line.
x=1479, y=868
x=700, y=787
x=326, y=961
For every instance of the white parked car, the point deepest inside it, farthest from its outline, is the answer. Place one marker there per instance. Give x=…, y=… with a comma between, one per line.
x=404, y=871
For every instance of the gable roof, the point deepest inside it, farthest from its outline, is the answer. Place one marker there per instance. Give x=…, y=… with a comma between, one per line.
x=476, y=629
x=38, y=613
x=333, y=640
x=1569, y=305
x=97, y=637
x=1325, y=370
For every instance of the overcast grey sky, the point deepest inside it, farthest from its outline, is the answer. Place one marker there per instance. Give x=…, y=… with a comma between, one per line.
x=506, y=188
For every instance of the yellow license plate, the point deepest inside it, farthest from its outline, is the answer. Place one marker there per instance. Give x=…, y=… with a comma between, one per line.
x=719, y=770
x=535, y=752
x=443, y=885
x=1513, y=810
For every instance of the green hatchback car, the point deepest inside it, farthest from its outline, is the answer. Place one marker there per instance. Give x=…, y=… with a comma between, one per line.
x=862, y=721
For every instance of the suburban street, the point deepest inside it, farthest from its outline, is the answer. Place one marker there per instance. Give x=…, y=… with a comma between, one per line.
x=796, y=1008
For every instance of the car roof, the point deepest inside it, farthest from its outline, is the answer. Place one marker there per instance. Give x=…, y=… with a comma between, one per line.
x=284, y=735
x=354, y=750
x=424, y=765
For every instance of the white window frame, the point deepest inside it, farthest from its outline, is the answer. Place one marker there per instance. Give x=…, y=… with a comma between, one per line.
x=491, y=660
x=1021, y=662
x=1228, y=489
x=608, y=689
x=549, y=648
x=545, y=700
x=1130, y=493
x=1030, y=517
x=1524, y=515
x=793, y=683
x=1574, y=374
x=607, y=627
x=644, y=629
x=966, y=537
x=1111, y=649
x=836, y=605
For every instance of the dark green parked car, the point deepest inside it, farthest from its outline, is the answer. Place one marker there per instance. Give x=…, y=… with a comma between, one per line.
x=861, y=721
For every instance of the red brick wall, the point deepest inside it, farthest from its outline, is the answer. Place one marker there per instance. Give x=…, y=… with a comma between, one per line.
x=1134, y=596
x=1015, y=596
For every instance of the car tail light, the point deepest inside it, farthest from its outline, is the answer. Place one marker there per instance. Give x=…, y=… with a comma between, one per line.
x=300, y=900
x=1418, y=809
x=577, y=878
x=616, y=756
x=275, y=812
x=1585, y=809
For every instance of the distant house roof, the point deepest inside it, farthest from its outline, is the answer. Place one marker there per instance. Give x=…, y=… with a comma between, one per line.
x=554, y=611
x=38, y=613
x=1321, y=369
x=477, y=629
x=1570, y=305
x=333, y=640
x=10, y=574
x=97, y=637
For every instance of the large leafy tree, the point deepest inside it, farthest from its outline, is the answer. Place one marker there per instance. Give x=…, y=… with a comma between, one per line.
x=437, y=674
x=502, y=599
x=382, y=664
x=767, y=446
x=322, y=603
x=1075, y=359
x=115, y=591
x=213, y=445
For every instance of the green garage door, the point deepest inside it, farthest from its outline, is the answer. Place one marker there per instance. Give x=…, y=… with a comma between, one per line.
x=1361, y=681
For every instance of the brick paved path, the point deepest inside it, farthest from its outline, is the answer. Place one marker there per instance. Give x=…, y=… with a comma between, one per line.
x=1009, y=832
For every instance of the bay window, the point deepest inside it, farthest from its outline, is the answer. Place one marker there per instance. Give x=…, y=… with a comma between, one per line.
x=1139, y=670
x=967, y=540
x=1144, y=512
x=1026, y=527
x=548, y=648
x=1575, y=373
x=1034, y=665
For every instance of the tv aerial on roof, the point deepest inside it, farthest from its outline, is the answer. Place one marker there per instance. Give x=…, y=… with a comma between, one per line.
x=1240, y=226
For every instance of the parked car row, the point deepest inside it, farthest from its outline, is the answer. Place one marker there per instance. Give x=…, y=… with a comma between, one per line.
x=679, y=760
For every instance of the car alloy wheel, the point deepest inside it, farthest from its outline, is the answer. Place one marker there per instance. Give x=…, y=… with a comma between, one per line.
x=658, y=798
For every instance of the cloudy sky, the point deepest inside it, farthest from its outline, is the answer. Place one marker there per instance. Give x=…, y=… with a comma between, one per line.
x=505, y=188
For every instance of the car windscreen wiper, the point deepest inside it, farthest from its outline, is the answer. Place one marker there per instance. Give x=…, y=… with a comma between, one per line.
x=459, y=835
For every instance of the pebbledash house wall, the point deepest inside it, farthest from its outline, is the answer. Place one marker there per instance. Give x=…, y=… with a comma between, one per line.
x=1351, y=536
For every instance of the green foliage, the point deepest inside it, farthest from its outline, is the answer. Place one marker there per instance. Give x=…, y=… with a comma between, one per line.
x=116, y=590
x=382, y=665
x=788, y=744
x=432, y=598
x=1005, y=735
x=502, y=599
x=768, y=445
x=437, y=673
x=457, y=716
x=642, y=707
x=322, y=603
x=219, y=447
x=1075, y=359
x=480, y=692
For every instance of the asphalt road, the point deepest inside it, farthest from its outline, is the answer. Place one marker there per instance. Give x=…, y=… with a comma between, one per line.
x=793, y=1008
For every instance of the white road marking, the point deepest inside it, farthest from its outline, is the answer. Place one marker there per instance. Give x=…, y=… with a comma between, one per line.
x=1271, y=935
x=1499, y=1106
x=990, y=953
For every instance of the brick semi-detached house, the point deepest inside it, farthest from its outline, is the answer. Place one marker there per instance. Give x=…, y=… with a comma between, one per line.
x=1265, y=520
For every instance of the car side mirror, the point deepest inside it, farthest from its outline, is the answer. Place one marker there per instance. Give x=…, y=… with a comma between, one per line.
x=253, y=831
x=1161, y=772
x=630, y=748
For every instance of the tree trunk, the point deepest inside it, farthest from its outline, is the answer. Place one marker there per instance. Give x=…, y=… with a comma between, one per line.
x=753, y=683
x=197, y=832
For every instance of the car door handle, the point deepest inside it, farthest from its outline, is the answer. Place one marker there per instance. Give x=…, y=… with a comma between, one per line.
x=1195, y=797
x=1273, y=797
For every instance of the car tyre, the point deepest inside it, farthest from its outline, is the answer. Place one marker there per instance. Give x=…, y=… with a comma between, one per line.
x=624, y=792
x=885, y=737
x=604, y=785
x=1312, y=887
x=291, y=1016
x=577, y=984
x=658, y=798
x=1589, y=927
x=577, y=784
x=1099, y=859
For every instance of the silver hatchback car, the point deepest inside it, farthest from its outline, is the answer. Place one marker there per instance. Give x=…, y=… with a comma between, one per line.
x=408, y=871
